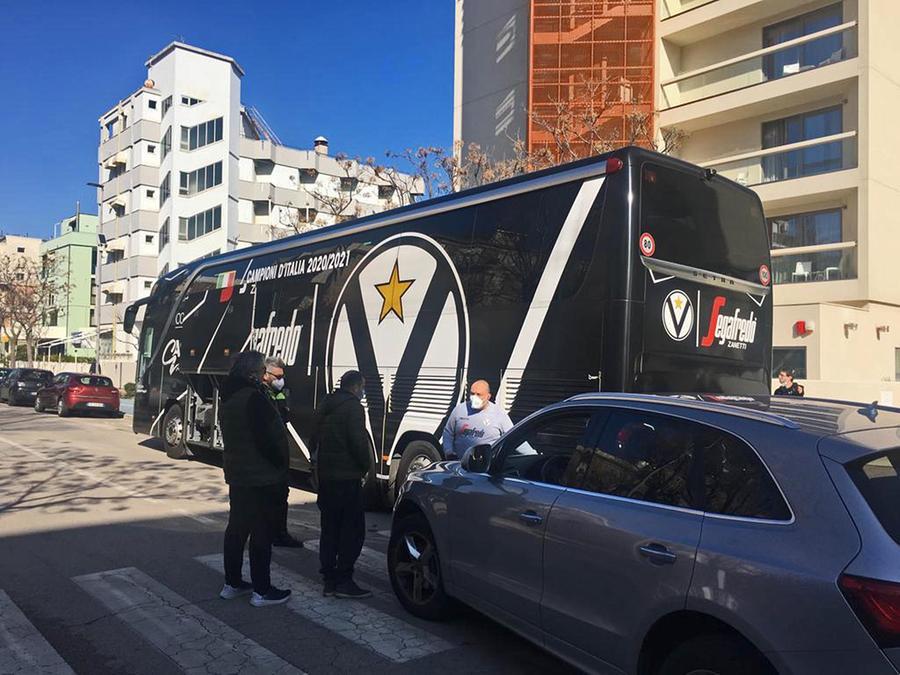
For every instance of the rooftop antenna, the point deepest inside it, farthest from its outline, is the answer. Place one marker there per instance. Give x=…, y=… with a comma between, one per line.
x=870, y=412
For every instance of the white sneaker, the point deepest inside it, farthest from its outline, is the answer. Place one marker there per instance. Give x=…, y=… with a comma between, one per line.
x=275, y=596
x=231, y=592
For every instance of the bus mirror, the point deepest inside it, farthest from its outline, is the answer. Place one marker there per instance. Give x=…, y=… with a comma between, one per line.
x=130, y=316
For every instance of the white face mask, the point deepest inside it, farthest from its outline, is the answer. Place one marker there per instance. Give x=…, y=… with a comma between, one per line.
x=278, y=384
x=476, y=401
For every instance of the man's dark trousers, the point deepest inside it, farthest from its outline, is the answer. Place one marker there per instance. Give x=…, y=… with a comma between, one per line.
x=343, y=520
x=255, y=513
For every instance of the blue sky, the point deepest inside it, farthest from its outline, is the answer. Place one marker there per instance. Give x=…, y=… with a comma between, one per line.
x=370, y=76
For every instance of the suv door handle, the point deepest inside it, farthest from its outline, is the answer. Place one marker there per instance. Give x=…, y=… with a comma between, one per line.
x=530, y=518
x=657, y=553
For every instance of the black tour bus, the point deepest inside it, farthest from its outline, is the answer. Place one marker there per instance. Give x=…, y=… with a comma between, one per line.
x=630, y=271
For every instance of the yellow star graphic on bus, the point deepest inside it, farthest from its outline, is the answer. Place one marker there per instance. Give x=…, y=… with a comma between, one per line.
x=678, y=302
x=392, y=293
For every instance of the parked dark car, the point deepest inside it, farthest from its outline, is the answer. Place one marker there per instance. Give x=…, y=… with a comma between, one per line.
x=22, y=384
x=78, y=392
x=655, y=535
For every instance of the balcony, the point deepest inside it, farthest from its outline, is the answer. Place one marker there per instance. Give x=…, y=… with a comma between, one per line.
x=670, y=8
x=824, y=262
x=786, y=59
x=811, y=157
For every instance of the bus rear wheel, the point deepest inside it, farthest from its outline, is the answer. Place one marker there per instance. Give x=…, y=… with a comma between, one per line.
x=173, y=433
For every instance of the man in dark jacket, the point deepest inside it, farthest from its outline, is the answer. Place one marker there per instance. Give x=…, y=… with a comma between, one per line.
x=256, y=470
x=274, y=381
x=343, y=460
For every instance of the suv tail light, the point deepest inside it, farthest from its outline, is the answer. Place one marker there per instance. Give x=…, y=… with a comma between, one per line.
x=877, y=605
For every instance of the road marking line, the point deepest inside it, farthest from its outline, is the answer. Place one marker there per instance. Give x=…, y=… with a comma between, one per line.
x=22, y=648
x=356, y=621
x=193, y=639
x=56, y=461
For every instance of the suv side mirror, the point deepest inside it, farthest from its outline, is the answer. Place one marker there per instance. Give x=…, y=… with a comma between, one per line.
x=477, y=459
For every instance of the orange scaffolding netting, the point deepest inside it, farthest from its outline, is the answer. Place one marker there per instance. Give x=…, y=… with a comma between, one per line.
x=591, y=66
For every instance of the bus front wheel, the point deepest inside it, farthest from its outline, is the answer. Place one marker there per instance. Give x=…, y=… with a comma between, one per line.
x=416, y=455
x=173, y=433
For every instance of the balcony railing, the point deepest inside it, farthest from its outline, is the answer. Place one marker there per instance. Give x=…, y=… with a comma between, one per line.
x=799, y=55
x=825, y=262
x=794, y=160
x=670, y=8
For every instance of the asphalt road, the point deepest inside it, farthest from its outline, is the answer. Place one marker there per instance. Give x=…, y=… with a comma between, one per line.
x=110, y=563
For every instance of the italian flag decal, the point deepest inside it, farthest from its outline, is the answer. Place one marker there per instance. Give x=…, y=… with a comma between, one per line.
x=225, y=284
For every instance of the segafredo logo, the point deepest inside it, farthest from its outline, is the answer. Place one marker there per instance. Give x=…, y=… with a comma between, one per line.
x=678, y=315
x=274, y=340
x=734, y=330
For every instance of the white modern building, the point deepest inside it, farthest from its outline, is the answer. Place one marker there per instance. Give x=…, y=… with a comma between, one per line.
x=186, y=171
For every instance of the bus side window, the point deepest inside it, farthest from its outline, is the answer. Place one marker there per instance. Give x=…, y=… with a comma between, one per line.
x=146, y=350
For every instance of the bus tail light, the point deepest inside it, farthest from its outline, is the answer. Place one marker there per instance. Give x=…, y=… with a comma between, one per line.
x=877, y=605
x=614, y=164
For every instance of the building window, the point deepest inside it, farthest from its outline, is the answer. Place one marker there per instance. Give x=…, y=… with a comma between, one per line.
x=148, y=285
x=348, y=183
x=792, y=359
x=115, y=256
x=111, y=128
x=151, y=149
x=113, y=298
x=91, y=320
x=202, y=179
x=810, y=229
x=189, y=100
x=202, y=134
x=53, y=317
x=148, y=238
x=167, y=142
x=167, y=103
x=150, y=193
x=263, y=167
x=806, y=161
x=200, y=224
x=164, y=189
x=152, y=104
x=20, y=249
x=164, y=235
x=821, y=52
x=385, y=191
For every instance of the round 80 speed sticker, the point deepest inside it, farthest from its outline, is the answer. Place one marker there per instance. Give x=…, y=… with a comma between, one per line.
x=647, y=244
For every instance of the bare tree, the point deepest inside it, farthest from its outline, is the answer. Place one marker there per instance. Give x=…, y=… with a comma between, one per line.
x=338, y=202
x=28, y=289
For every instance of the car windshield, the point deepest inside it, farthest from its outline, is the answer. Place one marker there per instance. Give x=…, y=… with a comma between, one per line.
x=92, y=381
x=878, y=479
x=35, y=375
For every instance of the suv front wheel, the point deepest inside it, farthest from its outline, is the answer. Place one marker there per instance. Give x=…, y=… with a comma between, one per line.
x=715, y=655
x=415, y=569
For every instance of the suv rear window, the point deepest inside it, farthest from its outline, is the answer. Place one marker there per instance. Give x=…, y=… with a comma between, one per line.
x=878, y=479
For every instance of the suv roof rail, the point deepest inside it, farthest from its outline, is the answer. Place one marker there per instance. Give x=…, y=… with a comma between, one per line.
x=676, y=401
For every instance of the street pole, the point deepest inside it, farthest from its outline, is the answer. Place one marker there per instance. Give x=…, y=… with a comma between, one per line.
x=97, y=269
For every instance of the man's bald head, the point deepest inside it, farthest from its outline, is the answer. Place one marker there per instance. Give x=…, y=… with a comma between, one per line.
x=480, y=389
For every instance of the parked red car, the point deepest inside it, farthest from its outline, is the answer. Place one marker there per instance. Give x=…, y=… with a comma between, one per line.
x=78, y=392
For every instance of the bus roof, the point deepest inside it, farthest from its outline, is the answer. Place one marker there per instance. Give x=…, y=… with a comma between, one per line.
x=564, y=173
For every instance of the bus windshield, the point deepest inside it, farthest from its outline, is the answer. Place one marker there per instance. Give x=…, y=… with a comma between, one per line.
x=705, y=224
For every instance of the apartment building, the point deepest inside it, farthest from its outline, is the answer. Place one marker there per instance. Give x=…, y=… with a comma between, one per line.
x=71, y=257
x=793, y=98
x=186, y=171
x=13, y=248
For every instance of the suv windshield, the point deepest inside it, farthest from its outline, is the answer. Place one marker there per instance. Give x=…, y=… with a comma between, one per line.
x=878, y=479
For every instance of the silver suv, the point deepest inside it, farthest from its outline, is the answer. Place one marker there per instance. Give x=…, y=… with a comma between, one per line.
x=666, y=536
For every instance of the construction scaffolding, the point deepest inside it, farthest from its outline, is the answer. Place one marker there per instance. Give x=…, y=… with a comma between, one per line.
x=594, y=57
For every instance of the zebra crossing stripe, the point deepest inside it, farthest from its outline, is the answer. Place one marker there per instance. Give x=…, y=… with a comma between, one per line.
x=372, y=562
x=193, y=639
x=23, y=650
x=356, y=621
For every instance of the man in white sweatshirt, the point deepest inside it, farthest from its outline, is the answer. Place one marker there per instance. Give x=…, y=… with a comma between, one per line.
x=474, y=422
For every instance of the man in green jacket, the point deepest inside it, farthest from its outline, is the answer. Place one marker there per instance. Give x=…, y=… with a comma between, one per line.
x=342, y=461
x=255, y=460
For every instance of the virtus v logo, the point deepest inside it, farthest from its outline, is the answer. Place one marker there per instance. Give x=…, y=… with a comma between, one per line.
x=401, y=320
x=678, y=315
